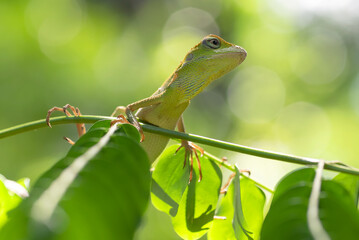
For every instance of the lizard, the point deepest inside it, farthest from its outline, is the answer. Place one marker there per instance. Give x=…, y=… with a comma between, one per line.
x=207, y=61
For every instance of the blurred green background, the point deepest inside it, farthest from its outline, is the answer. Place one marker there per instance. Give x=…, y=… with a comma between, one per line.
x=296, y=93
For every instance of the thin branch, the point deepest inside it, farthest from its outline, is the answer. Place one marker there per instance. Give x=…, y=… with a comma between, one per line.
x=54, y=121
x=249, y=150
x=220, y=162
x=186, y=136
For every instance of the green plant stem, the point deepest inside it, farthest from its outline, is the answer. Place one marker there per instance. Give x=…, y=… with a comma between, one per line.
x=220, y=162
x=186, y=136
x=54, y=121
x=249, y=150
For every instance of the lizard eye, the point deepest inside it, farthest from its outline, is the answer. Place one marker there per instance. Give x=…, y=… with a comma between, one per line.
x=213, y=43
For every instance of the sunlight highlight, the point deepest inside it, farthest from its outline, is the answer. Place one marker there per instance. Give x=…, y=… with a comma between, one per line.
x=256, y=95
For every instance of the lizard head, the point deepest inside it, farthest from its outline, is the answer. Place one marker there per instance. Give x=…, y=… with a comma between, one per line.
x=215, y=56
x=213, y=48
x=209, y=60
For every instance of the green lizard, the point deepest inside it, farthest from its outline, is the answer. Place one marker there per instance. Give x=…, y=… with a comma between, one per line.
x=207, y=61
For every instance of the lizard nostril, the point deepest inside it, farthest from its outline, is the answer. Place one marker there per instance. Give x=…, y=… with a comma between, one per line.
x=244, y=53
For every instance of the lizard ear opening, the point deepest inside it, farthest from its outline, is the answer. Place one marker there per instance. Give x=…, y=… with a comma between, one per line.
x=189, y=57
x=212, y=43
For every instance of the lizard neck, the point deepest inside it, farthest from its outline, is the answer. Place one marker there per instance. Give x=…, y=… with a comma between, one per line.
x=188, y=86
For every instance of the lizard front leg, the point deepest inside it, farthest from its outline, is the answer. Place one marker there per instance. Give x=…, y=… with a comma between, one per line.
x=190, y=148
x=129, y=110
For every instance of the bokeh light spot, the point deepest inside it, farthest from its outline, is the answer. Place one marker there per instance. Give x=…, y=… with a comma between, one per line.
x=189, y=21
x=55, y=24
x=214, y=7
x=256, y=95
x=320, y=59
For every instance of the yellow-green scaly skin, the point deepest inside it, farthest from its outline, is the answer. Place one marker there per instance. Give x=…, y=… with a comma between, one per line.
x=204, y=63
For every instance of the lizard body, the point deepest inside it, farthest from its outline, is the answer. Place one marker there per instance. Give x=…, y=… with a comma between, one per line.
x=207, y=61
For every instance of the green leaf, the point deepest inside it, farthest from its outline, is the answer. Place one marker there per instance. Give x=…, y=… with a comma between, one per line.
x=287, y=216
x=298, y=177
x=351, y=183
x=4, y=203
x=239, y=223
x=169, y=181
x=338, y=212
x=129, y=130
x=11, y=194
x=105, y=201
x=223, y=228
x=191, y=206
x=198, y=204
x=252, y=200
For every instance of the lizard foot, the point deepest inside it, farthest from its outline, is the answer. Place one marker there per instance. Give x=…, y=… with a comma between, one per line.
x=69, y=140
x=191, y=148
x=81, y=130
x=120, y=111
x=225, y=186
x=122, y=119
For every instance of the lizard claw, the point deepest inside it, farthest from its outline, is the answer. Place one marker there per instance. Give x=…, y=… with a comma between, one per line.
x=131, y=119
x=141, y=133
x=191, y=148
x=76, y=112
x=122, y=119
x=225, y=186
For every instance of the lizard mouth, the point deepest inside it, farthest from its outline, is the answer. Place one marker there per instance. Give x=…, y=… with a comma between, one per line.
x=232, y=51
x=241, y=54
x=244, y=53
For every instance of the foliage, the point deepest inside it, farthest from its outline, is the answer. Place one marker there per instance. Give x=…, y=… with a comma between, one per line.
x=191, y=205
x=252, y=201
x=106, y=195
x=288, y=215
x=11, y=194
x=296, y=93
x=105, y=198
